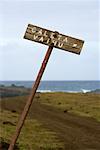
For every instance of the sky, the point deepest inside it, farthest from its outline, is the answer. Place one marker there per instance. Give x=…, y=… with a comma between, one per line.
x=20, y=59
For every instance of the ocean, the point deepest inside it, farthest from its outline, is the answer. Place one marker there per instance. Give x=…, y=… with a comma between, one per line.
x=58, y=86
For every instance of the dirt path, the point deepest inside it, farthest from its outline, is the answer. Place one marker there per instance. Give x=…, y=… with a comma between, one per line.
x=77, y=133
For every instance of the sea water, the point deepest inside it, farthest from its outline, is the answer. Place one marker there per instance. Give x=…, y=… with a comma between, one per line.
x=58, y=86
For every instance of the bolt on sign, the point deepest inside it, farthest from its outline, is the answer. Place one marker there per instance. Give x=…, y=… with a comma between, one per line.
x=48, y=37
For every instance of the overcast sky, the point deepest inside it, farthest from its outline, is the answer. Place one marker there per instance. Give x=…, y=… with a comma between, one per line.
x=21, y=59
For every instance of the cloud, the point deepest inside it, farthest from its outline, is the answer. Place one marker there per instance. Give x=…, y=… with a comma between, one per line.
x=77, y=18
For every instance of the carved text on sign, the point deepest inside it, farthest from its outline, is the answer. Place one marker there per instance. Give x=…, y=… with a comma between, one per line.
x=48, y=37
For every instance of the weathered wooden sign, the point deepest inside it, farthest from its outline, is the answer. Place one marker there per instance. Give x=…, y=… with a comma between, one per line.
x=48, y=37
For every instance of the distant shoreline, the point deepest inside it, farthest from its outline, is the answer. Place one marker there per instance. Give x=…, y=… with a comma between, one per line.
x=14, y=90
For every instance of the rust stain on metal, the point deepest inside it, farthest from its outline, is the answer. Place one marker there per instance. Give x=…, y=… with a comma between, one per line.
x=47, y=37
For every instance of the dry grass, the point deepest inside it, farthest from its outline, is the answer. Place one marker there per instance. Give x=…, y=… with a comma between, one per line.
x=81, y=104
x=33, y=136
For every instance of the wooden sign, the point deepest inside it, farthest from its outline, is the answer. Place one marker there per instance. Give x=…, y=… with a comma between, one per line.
x=48, y=37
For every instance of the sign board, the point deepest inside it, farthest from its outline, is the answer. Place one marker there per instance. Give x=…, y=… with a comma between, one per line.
x=48, y=37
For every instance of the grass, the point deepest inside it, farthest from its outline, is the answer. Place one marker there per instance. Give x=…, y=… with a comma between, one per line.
x=33, y=136
x=78, y=103
x=81, y=104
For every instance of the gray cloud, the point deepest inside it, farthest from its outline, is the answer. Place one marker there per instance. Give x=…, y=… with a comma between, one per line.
x=78, y=18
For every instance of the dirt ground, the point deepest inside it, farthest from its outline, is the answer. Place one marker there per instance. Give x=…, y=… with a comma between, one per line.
x=77, y=133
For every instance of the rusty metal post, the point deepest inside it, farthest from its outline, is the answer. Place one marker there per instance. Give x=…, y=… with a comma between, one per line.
x=29, y=102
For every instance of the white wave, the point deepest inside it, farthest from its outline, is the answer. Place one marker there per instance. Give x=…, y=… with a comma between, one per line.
x=44, y=91
x=49, y=91
x=85, y=91
x=72, y=91
x=64, y=91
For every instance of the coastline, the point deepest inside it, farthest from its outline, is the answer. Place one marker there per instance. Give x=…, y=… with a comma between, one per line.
x=19, y=90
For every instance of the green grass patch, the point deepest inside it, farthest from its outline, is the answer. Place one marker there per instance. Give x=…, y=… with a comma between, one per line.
x=33, y=136
x=81, y=104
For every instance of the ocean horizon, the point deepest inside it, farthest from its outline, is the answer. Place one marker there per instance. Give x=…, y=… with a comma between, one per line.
x=73, y=86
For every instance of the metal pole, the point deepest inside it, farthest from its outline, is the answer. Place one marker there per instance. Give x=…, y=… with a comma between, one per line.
x=29, y=102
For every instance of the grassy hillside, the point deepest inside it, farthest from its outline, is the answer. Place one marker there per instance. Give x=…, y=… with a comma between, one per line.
x=13, y=90
x=33, y=135
x=78, y=103
x=48, y=133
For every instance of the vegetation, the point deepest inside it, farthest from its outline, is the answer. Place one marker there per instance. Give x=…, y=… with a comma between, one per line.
x=13, y=90
x=81, y=104
x=33, y=136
